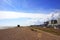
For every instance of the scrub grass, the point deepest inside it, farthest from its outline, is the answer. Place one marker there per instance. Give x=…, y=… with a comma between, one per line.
x=50, y=30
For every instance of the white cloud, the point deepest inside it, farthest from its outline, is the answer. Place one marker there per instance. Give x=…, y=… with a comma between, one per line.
x=44, y=17
x=54, y=14
x=9, y=15
x=36, y=18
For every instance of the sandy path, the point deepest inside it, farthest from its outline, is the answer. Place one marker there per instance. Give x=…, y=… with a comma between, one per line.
x=25, y=34
x=18, y=34
x=48, y=36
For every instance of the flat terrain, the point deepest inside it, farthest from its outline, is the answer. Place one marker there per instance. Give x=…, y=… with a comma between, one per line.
x=25, y=33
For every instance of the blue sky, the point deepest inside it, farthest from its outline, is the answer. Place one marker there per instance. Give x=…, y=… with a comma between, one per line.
x=27, y=12
x=29, y=5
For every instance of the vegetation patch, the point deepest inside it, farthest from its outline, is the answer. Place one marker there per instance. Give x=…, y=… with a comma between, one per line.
x=50, y=30
x=33, y=29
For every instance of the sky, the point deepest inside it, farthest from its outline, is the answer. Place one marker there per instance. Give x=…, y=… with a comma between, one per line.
x=27, y=12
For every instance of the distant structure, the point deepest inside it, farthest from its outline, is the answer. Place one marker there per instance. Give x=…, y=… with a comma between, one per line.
x=18, y=25
x=55, y=23
x=58, y=19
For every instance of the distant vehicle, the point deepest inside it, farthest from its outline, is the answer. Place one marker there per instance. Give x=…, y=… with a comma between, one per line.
x=18, y=25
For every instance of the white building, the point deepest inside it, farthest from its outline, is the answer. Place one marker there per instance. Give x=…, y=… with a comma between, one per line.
x=56, y=24
x=58, y=21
